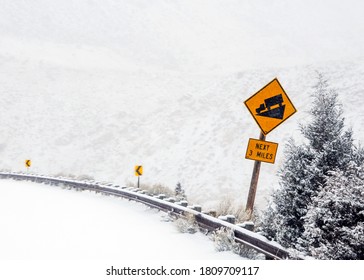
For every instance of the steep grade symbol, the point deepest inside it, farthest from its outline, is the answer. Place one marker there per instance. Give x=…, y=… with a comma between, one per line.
x=266, y=110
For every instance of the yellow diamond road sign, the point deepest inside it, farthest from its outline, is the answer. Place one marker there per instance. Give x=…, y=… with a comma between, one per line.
x=138, y=170
x=261, y=150
x=270, y=106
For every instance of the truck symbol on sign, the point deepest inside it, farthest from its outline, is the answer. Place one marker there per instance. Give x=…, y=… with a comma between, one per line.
x=266, y=110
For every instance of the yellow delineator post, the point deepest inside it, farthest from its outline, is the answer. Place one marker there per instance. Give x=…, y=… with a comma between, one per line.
x=28, y=163
x=138, y=172
x=269, y=107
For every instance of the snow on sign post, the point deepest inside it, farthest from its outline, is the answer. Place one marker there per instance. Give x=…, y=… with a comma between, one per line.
x=269, y=107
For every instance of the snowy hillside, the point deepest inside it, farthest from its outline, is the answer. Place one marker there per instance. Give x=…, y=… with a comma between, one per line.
x=96, y=88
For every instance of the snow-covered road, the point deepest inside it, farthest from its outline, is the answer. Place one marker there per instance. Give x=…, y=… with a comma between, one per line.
x=43, y=222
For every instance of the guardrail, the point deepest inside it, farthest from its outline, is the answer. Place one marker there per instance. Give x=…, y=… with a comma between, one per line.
x=270, y=249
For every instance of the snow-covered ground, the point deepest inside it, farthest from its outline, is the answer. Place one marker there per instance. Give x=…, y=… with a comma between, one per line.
x=97, y=87
x=40, y=222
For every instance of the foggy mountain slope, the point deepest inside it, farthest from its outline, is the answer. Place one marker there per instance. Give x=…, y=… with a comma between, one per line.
x=96, y=89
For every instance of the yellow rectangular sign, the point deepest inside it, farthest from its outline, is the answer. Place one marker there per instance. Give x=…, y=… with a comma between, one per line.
x=28, y=163
x=261, y=150
x=138, y=170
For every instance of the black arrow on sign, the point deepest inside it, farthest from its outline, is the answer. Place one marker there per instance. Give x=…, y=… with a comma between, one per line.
x=137, y=171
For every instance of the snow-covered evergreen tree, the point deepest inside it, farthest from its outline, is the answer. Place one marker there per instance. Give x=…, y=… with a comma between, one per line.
x=328, y=147
x=282, y=220
x=179, y=191
x=332, y=145
x=334, y=223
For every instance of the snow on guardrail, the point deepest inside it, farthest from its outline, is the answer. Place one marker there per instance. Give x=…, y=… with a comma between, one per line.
x=270, y=249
